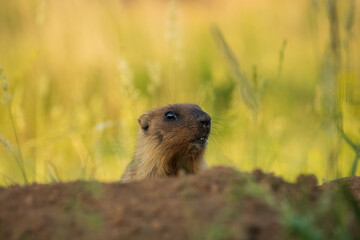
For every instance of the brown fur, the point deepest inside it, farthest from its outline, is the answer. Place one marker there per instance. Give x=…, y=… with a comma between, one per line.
x=165, y=147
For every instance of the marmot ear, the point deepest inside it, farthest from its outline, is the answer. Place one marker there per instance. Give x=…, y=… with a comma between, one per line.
x=144, y=121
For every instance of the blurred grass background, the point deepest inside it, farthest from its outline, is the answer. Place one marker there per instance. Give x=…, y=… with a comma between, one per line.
x=81, y=72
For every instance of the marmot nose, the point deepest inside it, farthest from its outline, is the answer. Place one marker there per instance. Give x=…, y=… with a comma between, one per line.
x=205, y=120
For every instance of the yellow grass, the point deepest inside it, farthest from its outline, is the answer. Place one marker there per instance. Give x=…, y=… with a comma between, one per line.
x=81, y=72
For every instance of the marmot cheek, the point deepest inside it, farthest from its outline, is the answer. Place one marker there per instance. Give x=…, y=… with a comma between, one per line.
x=159, y=137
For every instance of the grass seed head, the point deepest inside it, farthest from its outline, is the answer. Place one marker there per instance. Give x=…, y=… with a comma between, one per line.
x=6, y=143
x=6, y=98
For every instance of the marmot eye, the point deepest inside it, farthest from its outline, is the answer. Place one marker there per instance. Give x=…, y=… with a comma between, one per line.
x=170, y=115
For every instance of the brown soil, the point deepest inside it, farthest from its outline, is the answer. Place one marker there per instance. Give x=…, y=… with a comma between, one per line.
x=219, y=203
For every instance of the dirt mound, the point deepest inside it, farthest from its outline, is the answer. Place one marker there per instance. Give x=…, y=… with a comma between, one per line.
x=219, y=203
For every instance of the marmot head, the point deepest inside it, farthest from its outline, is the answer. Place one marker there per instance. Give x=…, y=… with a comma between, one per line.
x=178, y=128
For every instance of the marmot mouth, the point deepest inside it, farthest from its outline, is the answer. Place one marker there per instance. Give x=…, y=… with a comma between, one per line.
x=202, y=140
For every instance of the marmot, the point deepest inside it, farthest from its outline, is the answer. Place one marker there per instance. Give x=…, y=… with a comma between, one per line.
x=171, y=139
